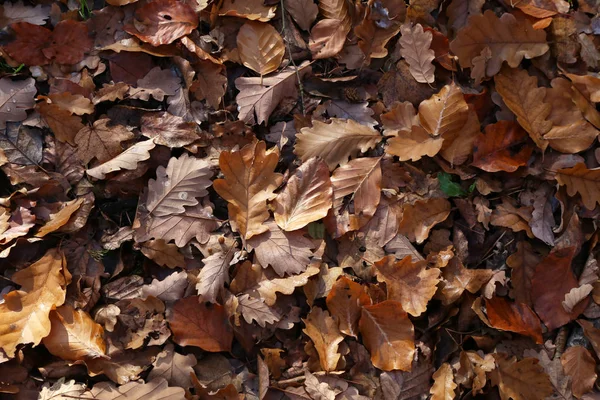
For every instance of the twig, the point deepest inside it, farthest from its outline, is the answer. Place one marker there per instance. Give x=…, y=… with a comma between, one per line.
x=289, y=50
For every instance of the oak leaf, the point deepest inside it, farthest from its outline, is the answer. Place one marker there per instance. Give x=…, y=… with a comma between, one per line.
x=249, y=183
x=456, y=279
x=260, y=47
x=162, y=22
x=255, y=309
x=15, y=98
x=443, y=383
x=344, y=302
x=16, y=224
x=25, y=312
x=163, y=253
x=525, y=99
x=169, y=130
x=508, y=38
x=201, y=325
x=18, y=12
x=410, y=284
x=286, y=252
x=173, y=367
x=324, y=332
x=128, y=160
x=414, y=144
x=580, y=179
x=169, y=289
x=388, y=334
x=520, y=380
x=260, y=96
x=101, y=141
x=61, y=390
x=307, y=196
x=503, y=147
x=415, y=48
x=213, y=275
x=579, y=364
x=523, y=263
x=419, y=218
x=157, y=388
x=335, y=142
x=445, y=113
x=400, y=117
x=328, y=36
x=63, y=124
x=74, y=335
x=373, y=38
x=178, y=186
x=510, y=216
x=210, y=83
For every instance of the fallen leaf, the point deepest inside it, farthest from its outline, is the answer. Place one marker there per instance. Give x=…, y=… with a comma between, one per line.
x=307, y=196
x=213, y=276
x=249, y=183
x=513, y=317
x=456, y=279
x=168, y=129
x=344, y=302
x=101, y=141
x=323, y=331
x=74, y=335
x=260, y=47
x=15, y=98
x=251, y=9
x=410, y=284
x=579, y=364
x=508, y=38
x=60, y=218
x=25, y=312
x=304, y=12
x=253, y=309
x=335, y=142
x=163, y=253
x=415, y=48
x=445, y=113
x=443, y=383
x=522, y=264
x=175, y=368
x=520, y=380
x=388, y=334
x=414, y=145
x=157, y=387
x=201, y=325
x=580, y=179
x=419, y=218
x=127, y=160
x=459, y=12
x=503, y=147
x=21, y=145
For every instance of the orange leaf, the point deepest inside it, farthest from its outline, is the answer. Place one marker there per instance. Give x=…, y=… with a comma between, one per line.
x=324, y=332
x=419, y=218
x=345, y=301
x=510, y=316
x=503, y=147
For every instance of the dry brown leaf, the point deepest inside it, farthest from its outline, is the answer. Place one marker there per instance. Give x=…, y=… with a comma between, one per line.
x=307, y=196
x=157, y=388
x=168, y=129
x=458, y=147
x=60, y=218
x=580, y=179
x=127, y=160
x=345, y=301
x=63, y=124
x=456, y=279
x=163, y=253
x=326, y=337
x=513, y=317
x=388, y=334
x=335, y=142
x=260, y=47
x=579, y=364
x=15, y=98
x=443, y=383
x=419, y=218
x=74, y=335
x=508, y=38
x=522, y=380
x=173, y=367
x=373, y=39
x=203, y=325
x=410, y=284
x=25, y=312
x=250, y=9
x=286, y=252
x=459, y=12
x=101, y=141
x=210, y=83
x=445, y=113
x=414, y=144
x=515, y=218
x=304, y=12
x=213, y=275
x=328, y=36
x=415, y=48
x=503, y=147
x=523, y=97
x=254, y=309
x=400, y=117
x=249, y=183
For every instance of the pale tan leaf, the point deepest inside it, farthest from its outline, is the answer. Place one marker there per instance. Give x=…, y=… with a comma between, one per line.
x=411, y=284
x=213, y=275
x=306, y=198
x=576, y=296
x=157, y=388
x=456, y=279
x=336, y=141
x=128, y=160
x=60, y=218
x=249, y=183
x=324, y=332
x=582, y=180
x=373, y=39
x=250, y=9
x=61, y=390
x=260, y=47
x=18, y=12
x=74, y=103
x=173, y=367
x=523, y=97
x=509, y=39
x=24, y=314
x=178, y=186
x=443, y=383
x=415, y=48
x=260, y=96
x=268, y=288
x=253, y=309
x=168, y=130
x=74, y=335
x=414, y=144
x=419, y=218
x=169, y=289
x=388, y=334
x=286, y=252
x=16, y=224
x=579, y=364
x=163, y=253
x=445, y=113
x=320, y=286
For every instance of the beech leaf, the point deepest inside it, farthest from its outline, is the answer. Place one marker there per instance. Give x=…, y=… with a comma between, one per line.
x=260, y=47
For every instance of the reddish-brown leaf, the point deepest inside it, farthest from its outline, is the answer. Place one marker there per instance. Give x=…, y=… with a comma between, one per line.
x=345, y=301
x=503, y=147
x=510, y=316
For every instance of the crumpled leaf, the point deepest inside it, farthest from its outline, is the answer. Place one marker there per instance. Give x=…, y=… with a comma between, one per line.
x=250, y=9
x=344, y=302
x=503, y=147
x=419, y=218
x=173, y=367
